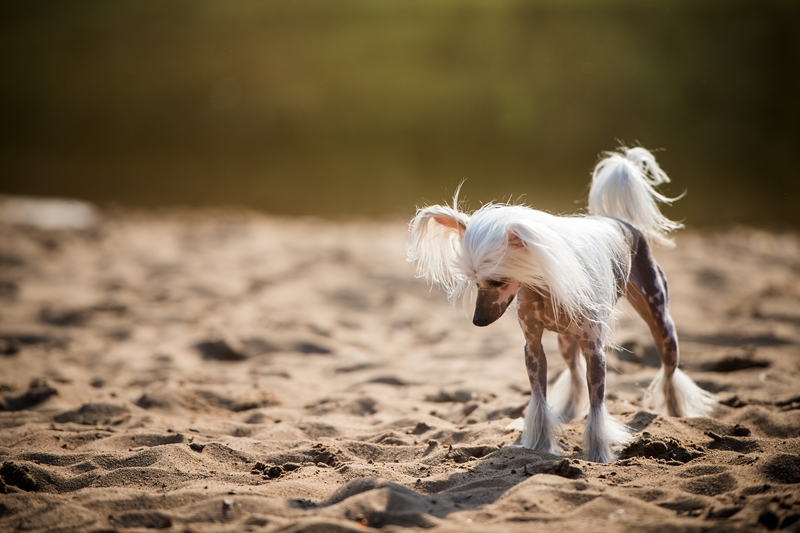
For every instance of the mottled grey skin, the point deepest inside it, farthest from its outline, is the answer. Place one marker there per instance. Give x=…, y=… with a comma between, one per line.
x=640, y=280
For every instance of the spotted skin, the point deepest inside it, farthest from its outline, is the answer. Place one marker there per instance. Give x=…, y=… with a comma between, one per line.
x=640, y=280
x=570, y=350
x=569, y=393
x=493, y=300
x=648, y=293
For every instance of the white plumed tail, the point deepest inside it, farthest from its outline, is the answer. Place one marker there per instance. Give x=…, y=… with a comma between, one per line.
x=678, y=395
x=623, y=186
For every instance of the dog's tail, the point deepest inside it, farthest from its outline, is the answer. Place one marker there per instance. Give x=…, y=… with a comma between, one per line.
x=624, y=186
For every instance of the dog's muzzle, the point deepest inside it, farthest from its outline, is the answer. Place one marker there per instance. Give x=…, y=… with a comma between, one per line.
x=490, y=306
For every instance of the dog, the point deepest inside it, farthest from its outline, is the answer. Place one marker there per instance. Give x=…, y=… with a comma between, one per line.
x=566, y=274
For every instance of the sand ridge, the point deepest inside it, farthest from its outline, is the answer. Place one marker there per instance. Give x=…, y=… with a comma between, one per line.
x=210, y=371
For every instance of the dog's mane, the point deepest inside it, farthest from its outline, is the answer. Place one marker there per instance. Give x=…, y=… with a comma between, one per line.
x=576, y=260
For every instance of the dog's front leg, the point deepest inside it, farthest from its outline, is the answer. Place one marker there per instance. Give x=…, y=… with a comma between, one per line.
x=540, y=421
x=602, y=431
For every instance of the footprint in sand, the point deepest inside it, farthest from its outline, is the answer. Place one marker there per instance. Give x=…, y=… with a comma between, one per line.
x=97, y=413
x=38, y=392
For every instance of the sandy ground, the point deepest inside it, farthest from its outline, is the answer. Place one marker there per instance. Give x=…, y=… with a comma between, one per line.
x=206, y=371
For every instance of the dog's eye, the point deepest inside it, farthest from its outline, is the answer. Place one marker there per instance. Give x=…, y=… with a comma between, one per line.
x=496, y=283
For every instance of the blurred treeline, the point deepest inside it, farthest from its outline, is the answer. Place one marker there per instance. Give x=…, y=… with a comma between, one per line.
x=371, y=107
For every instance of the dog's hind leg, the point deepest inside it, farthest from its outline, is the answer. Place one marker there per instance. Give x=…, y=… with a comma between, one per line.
x=672, y=392
x=569, y=396
x=602, y=432
x=540, y=422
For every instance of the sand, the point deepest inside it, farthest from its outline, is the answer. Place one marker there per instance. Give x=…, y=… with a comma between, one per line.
x=212, y=371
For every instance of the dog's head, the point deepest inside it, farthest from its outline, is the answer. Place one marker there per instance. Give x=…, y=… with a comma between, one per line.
x=456, y=254
x=494, y=297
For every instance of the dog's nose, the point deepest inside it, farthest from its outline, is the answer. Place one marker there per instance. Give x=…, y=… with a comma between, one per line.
x=481, y=321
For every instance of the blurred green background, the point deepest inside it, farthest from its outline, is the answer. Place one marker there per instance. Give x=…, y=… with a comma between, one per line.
x=372, y=107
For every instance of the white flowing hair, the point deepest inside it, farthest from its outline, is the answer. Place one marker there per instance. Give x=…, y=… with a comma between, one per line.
x=434, y=243
x=575, y=260
x=623, y=186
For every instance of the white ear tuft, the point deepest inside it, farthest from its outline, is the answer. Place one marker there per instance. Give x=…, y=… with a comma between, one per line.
x=451, y=222
x=434, y=243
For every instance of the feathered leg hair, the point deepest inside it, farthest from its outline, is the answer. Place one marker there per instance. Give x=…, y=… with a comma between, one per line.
x=678, y=395
x=602, y=433
x=540, y=424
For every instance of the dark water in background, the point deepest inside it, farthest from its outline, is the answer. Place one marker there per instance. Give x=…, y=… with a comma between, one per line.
x=371, y=107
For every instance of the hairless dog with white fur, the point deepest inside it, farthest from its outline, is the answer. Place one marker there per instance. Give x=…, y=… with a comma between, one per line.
x=567, y=274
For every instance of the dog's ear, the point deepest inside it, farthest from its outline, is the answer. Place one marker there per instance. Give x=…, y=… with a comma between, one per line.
x=434, y=242
x=451, y=221
x=514, y=241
